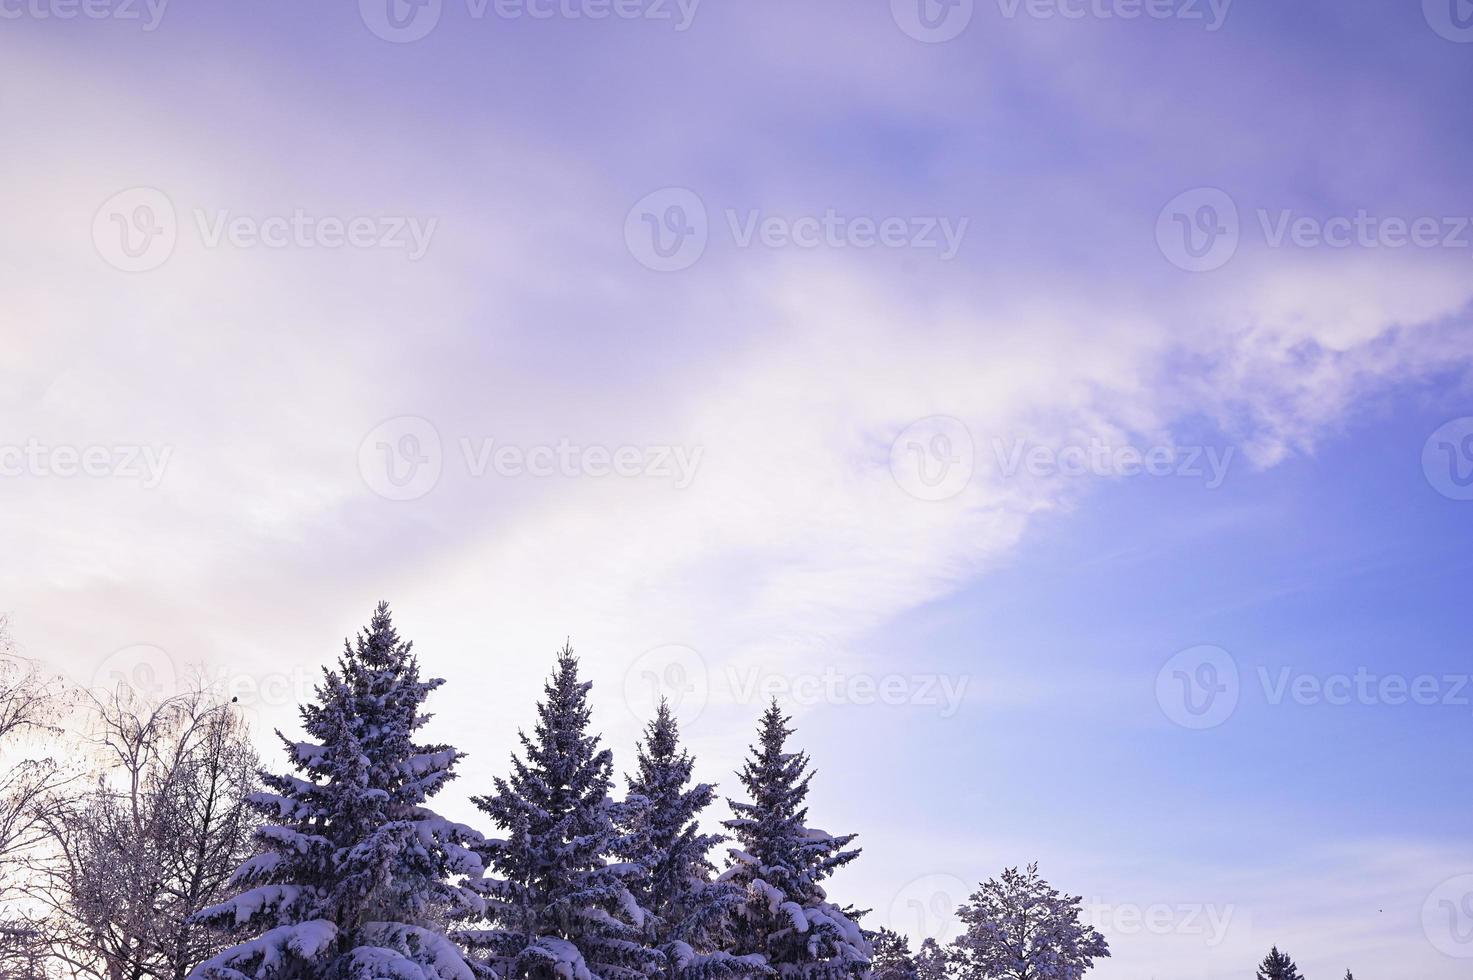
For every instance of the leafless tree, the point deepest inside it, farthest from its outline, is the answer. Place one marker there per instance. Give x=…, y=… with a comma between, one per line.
x=154, y=839
x=32, y=705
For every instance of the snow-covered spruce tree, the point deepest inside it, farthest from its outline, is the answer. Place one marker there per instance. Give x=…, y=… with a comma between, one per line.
x=932, y=961
x=354, y=877
x=892, y=959
x=785, y=915
x=558, y=908
x=687, y=909
x=1019, y=927
x=1278, y=966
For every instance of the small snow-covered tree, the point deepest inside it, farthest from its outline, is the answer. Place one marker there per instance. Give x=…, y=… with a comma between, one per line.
x=785, y=916
x=558, y=907
x=892, y=959
x=932, y=961
x=1278, y=966
x=687, y=909
x=1019, y=927
x=355, y=876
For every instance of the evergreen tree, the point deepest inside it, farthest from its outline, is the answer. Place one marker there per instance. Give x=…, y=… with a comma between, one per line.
x=892, y=959
x=785, y=916
x=1019, y=927
x=1278, y=966
x=932, y=961
x=352, y=881
x=687, y=910
x=558, y=909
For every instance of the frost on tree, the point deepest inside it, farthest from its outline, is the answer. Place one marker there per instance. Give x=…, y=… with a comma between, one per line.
x=1018, y=927
x=557, y=907
x=932, y=961
x=785, y=916
x=354, y=879
x=892, y=959
x=1278, y=966
x=687, y=911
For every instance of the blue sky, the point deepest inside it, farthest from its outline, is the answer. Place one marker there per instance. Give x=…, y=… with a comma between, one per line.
x=1185, y=235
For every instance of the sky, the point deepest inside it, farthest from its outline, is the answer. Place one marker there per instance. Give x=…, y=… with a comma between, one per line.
x=1063, y=407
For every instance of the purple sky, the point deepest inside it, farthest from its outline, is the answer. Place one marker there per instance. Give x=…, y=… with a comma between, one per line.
x=945, y=369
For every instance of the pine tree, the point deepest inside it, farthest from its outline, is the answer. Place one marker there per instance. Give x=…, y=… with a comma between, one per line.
x=1278, y=966
x=687, y=910
x=1019, y=927
x=558, y=908
x=892, y=959
x=785, y=916
x=1349, y=975
x=932, y=961
x=353, y=877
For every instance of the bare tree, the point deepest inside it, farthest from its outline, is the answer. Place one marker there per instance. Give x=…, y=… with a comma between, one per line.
x=31, y=778
x=154, y=841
